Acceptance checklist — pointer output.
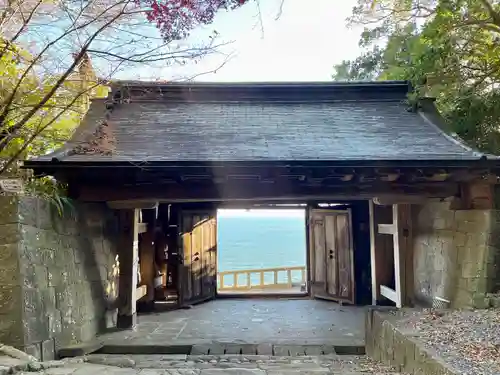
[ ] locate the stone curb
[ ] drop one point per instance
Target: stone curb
(390, 346)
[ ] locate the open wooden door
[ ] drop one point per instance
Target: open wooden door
(198, 251)
(331, 255)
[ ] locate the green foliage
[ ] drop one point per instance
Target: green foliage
(41, 128)
(52, 191)
(21, 91)
(452, 52)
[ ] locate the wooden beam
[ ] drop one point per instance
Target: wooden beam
(131, 204)
(390, 294)
(259, 191)
(389, 200)
(142, 228)
(140, 292)
(387, 229)
(128, 258)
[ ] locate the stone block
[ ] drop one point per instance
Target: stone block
(264, 349)
(377, 329)
(48, 217)
(41, 277)
(9, 254)
(35, 330)
(82, 313)
(78, 255)
(495, 301)
(11, 329)
(470, 270)
(48, 350)
(10, 234)
(439, 223)
(10, 299)
(54, 321)
(9, 266)
(480, 301)
(65, 258)
(49, 299)
(34, 349)
(32, 302)
(110, 318)
(68, 224)
(9, 206)
(18, 210)
(69, 334)
(389, 343)
(476, 284)
(463, 299)
(459, 239)
(411, 364)
(65, 297)
(492, 254)
(399, 351)
(369, 339)
(80, 349)
(420, 360)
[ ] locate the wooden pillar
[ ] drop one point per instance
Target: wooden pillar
(147, 263)
(381, 257)
(374, 264)
(403, 253)
(147, 256)
(128, 258)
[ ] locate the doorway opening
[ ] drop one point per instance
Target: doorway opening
(262, 251)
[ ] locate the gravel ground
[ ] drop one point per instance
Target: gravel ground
(469, 340)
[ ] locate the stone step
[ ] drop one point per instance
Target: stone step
(241, 364)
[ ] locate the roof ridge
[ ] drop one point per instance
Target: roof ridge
(261, 91)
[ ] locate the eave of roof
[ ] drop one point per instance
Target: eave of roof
(479, 162)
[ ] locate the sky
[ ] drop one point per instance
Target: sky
(302, 44)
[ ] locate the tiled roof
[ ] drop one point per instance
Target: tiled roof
(260, 122)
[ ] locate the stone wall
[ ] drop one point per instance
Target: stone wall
(455, 254)
(400, 347)
(58, 274)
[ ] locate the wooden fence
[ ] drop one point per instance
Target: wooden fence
(231, 280)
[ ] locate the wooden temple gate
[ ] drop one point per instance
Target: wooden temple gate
(151, 147)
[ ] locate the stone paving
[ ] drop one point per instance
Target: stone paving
(217, 365)
(252, 321)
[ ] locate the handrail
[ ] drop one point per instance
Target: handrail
(247, 285)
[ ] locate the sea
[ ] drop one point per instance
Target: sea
(256, 239)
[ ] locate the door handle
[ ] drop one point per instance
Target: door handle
(331, 252)
(331, 256)
(196, 259)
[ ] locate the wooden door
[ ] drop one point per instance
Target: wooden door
(198, 251)
(331, 254)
